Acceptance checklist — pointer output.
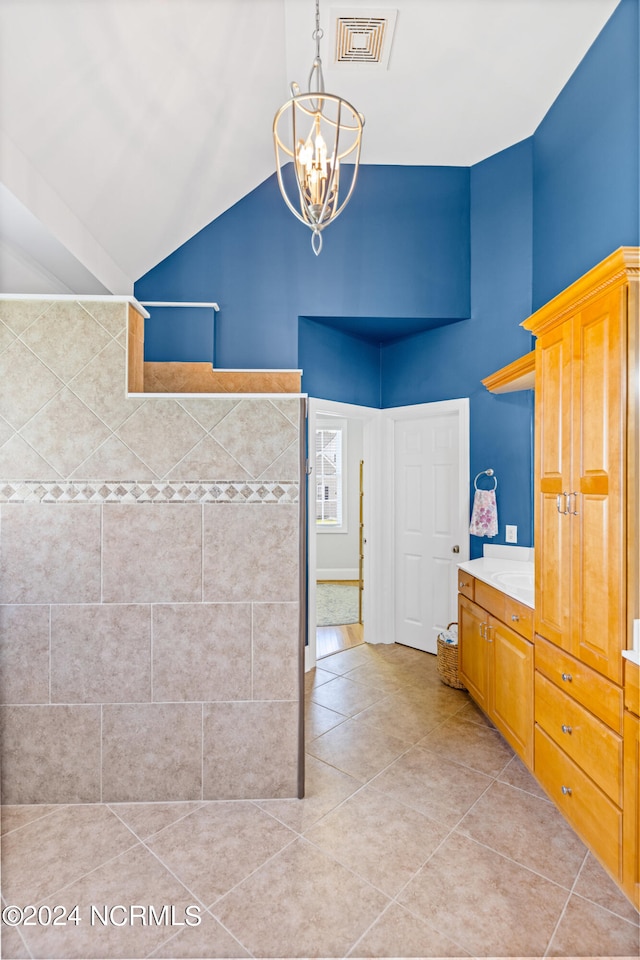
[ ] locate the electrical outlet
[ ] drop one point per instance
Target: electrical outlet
(511, 533)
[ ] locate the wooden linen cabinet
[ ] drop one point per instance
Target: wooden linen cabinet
(586, 539)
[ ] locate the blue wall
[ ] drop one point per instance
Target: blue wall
(586, 179)
(400, 250)
(477, 249)
(450, 362)
(339, 366)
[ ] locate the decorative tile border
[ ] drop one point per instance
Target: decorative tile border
(126, 491)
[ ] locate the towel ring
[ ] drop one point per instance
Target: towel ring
(488, 473)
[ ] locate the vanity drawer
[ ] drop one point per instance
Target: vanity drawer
(595, 817)
(595, 692)
(490, 599)
(588, 741)
(466, 584)
(519, 617)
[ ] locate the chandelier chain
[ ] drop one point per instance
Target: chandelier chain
(318, 33)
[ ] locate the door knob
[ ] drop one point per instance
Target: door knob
(455, 549)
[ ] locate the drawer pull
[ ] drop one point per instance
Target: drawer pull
(515, 617)
(462, 584)
(566, 728)
(567, 791)
(567, 677)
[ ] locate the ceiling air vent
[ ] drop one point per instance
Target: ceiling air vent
(362, 37)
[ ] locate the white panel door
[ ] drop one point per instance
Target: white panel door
(431, 535)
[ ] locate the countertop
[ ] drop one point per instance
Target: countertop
(513, 577)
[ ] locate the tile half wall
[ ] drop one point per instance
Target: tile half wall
(149, 575)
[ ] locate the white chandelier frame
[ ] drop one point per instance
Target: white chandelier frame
(317, 131)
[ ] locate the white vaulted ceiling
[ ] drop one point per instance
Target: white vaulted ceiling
(128, 125)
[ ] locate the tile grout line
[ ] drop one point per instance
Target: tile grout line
(566, 904)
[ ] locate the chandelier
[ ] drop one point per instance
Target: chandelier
(317, 131)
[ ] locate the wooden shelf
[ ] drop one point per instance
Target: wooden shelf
(519, 375)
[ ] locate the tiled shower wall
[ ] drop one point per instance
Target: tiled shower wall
(149, 575)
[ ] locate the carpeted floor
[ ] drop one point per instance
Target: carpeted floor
(336, 603)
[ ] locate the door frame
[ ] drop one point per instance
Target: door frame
(379, 508)
(371, 452)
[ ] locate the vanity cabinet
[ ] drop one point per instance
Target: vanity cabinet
(631, 804)
(579, 749)
(496, 660)
(586, 557)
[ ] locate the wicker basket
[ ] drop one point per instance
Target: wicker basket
(448, 662)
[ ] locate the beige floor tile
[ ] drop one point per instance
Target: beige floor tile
(146, 819)
(595, 884)
(472, 744)
(315, 678)
(49, 853)
(300, 904)
(383, 841)
(12, 817)
(379, 675)
(399, 934)
(134, 878)
(208, 941)
(409, 718)
(471, 711)
(325, 788)
(358, 749)
(587, 930)
(517, 775)
(528, 830)
(219, 845)
(318, 719)
(488, 904)
(433, 785)
(346, 660)
(345, 696)
(12, 945)
(439, 697)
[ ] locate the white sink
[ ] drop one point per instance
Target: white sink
(508, 578)
(516, 584)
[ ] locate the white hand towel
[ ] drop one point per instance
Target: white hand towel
(484, 516)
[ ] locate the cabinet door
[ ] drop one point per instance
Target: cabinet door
(597, 520)
(472, 648)
(511, 692)
(631, 809)
(553, 483)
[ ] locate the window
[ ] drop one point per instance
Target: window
(329, 476)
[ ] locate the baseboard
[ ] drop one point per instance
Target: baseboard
(337, 573)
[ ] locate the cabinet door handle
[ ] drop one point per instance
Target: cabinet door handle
(566, 497)
(567, 677)
(488, 633)
(566, 728)
(573, 512)
(567, 791)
